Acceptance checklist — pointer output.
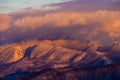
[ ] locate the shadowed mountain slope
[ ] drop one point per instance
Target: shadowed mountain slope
(109, 72)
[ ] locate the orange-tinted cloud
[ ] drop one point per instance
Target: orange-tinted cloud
(92, 26)
(4, 22)
(106, 21)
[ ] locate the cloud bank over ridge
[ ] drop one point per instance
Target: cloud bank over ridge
(98, 25)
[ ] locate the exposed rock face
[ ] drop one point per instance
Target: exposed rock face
(11, 54)
(18, 54)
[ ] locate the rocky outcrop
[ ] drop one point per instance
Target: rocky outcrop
(11, 53)
(18, 54)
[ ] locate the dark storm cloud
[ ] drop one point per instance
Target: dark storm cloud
(88, 5)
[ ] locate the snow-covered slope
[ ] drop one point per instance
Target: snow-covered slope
(33, 55)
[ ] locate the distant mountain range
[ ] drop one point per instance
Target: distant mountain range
(59, 60)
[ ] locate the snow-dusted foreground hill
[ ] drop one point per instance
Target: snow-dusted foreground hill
(108, 72)
(37, 55)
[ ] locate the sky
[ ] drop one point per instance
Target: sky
(7, 6)
(15, 5)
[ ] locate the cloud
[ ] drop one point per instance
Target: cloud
(59, 19)
(88, 5)
(93, 26)
(115, 0)
(4, 22)
(107, 21)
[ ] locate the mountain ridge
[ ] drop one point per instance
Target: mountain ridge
(42, 54)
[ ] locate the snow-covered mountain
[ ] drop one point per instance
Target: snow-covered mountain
(36, 55)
